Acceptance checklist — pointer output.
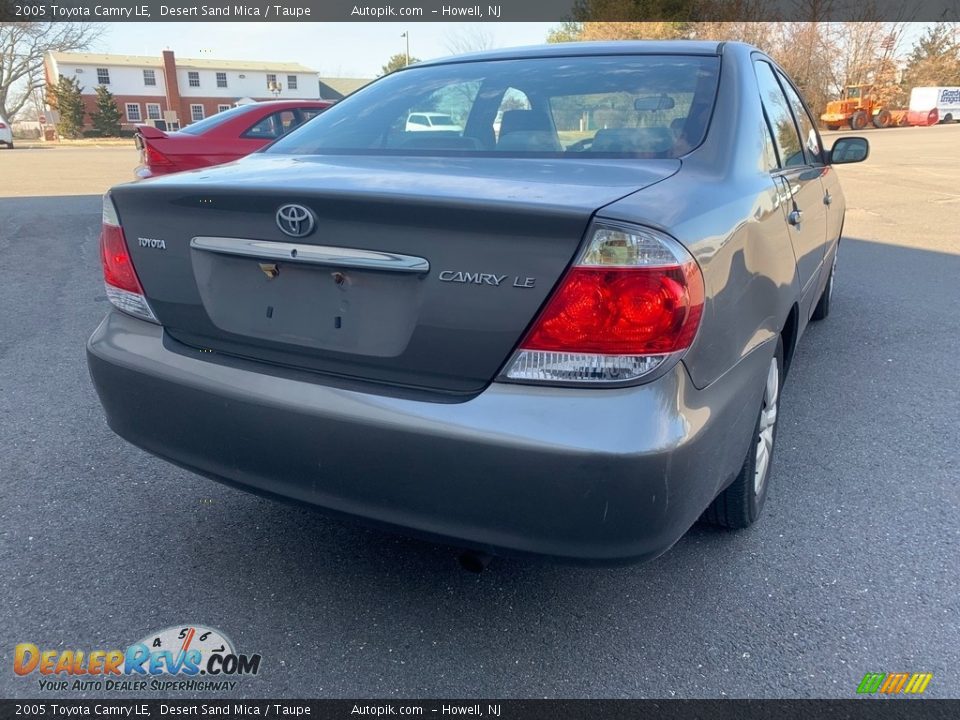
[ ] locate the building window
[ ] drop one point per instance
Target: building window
(150, 78)
(292, 82)
(221, 108)
(196, 112)
(193, 79)
(271, 80)
(221, 79)
(153, 111)
(133, 113)
(103, 76)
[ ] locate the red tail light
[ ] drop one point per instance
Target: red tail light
(632, 301)
(3, 126)
(120, 277)
(154, 158)
(117, 267)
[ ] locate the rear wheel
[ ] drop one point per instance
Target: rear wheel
(858, 121)
(948, 118)
(823, 307)
(882, 119)
(740, 505)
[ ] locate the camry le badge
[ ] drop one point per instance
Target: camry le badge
(295, 220)
(474, 278)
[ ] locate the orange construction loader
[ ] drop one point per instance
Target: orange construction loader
(857, 107)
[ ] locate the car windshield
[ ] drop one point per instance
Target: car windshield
(201, 126)
(655, 106)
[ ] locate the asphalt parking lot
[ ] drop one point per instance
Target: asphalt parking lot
(852, 569)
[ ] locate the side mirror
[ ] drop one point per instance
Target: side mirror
(849, 150)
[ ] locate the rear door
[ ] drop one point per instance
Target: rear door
(815, 154)
(800, 170)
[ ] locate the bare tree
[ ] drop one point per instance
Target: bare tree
(472, 37)
(23, 46)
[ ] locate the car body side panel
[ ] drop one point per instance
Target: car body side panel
(725, 207)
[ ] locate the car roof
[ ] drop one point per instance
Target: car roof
(586, 49)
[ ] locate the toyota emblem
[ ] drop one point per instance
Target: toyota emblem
(295, 220)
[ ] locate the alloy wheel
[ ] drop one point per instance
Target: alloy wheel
(768, 423)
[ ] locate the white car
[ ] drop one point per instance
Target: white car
(6, 133)
(431, 122)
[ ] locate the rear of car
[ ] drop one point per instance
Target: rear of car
(474, 335)
(6, 133)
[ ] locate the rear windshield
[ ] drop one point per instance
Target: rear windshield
(201, 126)
(654, 106)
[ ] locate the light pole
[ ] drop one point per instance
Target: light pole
(407, 36)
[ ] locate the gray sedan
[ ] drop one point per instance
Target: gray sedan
(561, 327)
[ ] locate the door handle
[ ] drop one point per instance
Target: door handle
(795, 217)
(828, 198)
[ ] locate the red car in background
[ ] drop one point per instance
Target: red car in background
(221, 138)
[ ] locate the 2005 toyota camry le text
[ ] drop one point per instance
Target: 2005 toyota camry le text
(558, 325)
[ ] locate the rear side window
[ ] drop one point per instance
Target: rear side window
(273, 125)
(309, 113)
(655, 106)
(808, 131)
(785, 136)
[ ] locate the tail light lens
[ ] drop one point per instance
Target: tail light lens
(153, 157)
(626, 310)
(119, 276)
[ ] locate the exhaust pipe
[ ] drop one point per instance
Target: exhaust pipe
(475, 562)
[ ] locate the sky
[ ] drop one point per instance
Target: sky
(332, 49)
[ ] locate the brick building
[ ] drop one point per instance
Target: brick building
(145, 88)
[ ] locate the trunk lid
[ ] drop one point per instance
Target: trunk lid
(420, 272)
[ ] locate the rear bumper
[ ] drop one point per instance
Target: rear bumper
(586, 475)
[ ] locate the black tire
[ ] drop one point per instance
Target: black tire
(833, 127)
(859, 120)
(822, 310)
(882, 119)
(740, 505)
(948, 118)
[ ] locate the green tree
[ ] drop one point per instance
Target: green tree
(568, 31)
(106, 118)
(935, 59)
(65, 98)
(396, 62)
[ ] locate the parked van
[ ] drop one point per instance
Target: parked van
(930, 105)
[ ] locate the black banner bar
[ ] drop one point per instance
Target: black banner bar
(478, 11)
(855, 709)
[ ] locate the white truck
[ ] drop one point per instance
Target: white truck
(932, 105)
